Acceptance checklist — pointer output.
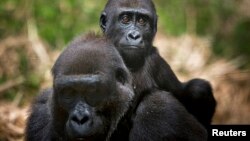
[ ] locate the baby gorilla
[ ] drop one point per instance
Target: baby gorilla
(91, 92)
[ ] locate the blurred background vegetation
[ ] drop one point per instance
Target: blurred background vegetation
(226, 22)
(33, 33)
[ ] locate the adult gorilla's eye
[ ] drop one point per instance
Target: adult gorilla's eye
(68, 94)
(125, 19)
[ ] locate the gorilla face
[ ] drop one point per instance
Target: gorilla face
(83, 98)
(92, 90)
(131, 26)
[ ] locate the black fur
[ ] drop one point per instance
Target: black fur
(121, 23)
(91, 93)
(160, 117)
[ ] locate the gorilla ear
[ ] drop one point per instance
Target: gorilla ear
(155, 24)
(103, 21)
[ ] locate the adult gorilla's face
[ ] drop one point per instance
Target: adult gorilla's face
(92, 90)
(81, 97)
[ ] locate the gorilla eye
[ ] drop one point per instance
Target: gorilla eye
(125, 19)
(142, 21)
(68, 94)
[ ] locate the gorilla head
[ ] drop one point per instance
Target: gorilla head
(91, 86)
(131, 25)
(91, 92)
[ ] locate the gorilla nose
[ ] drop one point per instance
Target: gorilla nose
(79, 124)
(134, 35)
(80, 117)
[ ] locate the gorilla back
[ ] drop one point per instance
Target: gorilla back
(91, 92)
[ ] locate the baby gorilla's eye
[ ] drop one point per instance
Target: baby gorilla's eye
(142, 21)
(125, 19)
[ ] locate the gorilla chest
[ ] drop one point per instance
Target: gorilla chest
(143, 81)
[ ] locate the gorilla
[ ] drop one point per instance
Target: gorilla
(131, 25)
(92, 95)
(161, 117)
(91, 91)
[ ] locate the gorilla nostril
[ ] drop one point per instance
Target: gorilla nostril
(85, 119)
(80, 119)
(134, 35)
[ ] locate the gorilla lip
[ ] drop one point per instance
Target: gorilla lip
(132, 47)
(78, 131)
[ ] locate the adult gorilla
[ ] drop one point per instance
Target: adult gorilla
(91, 92)
(132, 25)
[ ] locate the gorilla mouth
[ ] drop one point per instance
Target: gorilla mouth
(132, 47)
(78, 132)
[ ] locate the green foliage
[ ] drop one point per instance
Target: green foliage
(10, 19)
(241, 36)
(10, 94)
(219, 19)
(196, 16)
(32, 81)
(171, 16)
(58, 21)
